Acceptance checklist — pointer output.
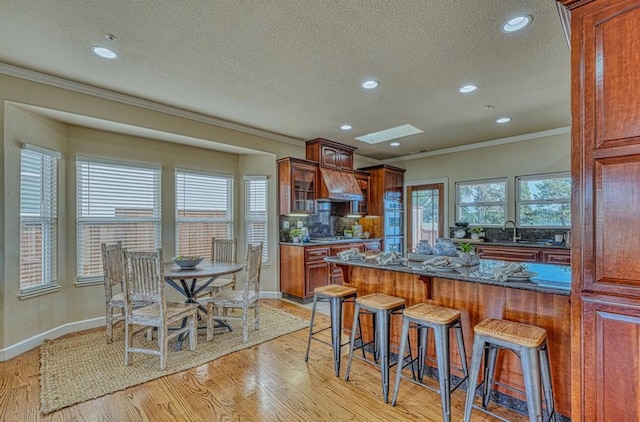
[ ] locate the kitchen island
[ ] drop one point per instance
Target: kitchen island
(543, 301)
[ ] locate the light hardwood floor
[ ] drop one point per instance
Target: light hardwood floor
(268, 382)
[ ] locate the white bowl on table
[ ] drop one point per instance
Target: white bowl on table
(187, 263)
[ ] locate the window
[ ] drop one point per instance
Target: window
(255, 215)
(482, 202)
(544, 200)
(38, 217)
(116, 202)
(204, 209)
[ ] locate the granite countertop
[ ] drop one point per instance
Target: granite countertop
(554, 279)
(523, 244)
(316, 242)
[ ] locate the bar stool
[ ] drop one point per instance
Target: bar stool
(530, 344)
(427, 316)
(335, 294)
(382, 306)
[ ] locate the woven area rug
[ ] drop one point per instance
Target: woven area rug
(85, 367)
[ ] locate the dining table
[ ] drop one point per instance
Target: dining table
(185, 281)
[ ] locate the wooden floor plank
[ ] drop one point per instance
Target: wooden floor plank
(267, 382)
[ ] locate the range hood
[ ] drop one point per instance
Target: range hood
(338, 185)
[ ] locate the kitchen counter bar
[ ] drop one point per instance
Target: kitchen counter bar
(543, 302)
(553, 279)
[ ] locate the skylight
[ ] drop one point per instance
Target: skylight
(389, 134)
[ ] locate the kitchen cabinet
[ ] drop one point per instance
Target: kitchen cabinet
(525, 254)
(330, 154)
(605, 168)
(303, 268)
(297, 180)
(508, 253)
(556, 256)
(386, 206)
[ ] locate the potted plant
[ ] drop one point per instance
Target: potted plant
(465, 254)
(295, 234)
(475, 232)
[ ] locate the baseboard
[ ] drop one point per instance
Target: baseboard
(35, 341)
(270, 295)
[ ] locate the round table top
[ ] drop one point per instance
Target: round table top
(204, 269)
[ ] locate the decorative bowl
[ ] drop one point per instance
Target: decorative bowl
(461, 224)
(187, 262)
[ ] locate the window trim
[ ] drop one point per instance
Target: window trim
(97, 279)
(230, 222)
(265, 245)
(543, 176)
(504, 203)
(50, 266)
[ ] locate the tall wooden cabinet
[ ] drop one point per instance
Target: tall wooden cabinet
(387, 205)
(605, 169)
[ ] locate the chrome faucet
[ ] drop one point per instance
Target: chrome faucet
(515, 237)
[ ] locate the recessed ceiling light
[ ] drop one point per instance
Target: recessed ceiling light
(104, 52)
(468, 88)
(345, 127)
(503, 120)
(370, 84)
(395, 144)
(517, 23)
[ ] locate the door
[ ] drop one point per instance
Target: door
(425, 219)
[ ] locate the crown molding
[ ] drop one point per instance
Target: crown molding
(484, 144)
(55, 81)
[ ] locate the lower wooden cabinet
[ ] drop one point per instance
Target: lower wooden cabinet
(525, 254)
(303, 268)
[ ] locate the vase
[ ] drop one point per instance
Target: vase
(475, 236)
(444, 247)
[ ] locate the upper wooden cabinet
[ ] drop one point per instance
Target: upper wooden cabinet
(385, 183)
(297, 184)
(605, 169)
(330, 154)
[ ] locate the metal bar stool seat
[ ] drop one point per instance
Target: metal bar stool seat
(529, 342)
(336, 295)
(382, 306)
(440, 319)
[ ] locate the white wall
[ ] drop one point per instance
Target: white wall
(535, 156)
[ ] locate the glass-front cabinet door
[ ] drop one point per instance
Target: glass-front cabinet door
(297, 186)
(304, 190)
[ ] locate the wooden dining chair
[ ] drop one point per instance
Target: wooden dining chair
(112, 267)
(222, 250)
(243, 300)
(144, 282)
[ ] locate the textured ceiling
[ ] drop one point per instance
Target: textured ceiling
(294, 67)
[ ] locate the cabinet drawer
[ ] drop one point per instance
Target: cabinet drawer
(556, 257)
(509, 254)
(316, 254)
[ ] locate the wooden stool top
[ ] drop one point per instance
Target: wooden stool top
(335, 290)
(512, 332)
(380, 301)
(432, 313)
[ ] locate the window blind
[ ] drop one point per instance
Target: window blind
(38, 217)
(204, 209)
(116, 202)
(256, 215)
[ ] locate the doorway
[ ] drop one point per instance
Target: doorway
(425, 219)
